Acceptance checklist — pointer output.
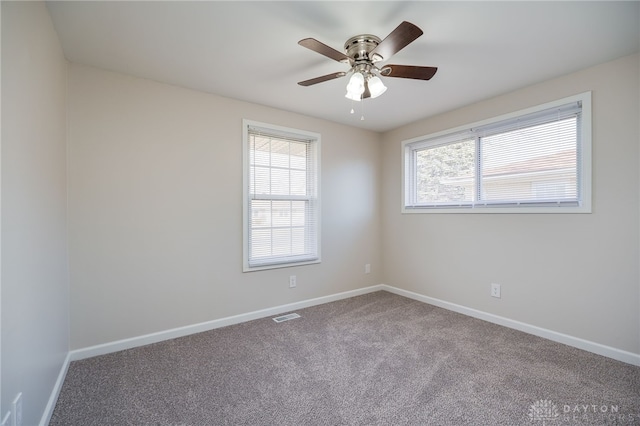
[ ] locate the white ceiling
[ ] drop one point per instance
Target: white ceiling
(249, 51)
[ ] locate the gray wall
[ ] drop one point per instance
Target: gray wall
(571, 273)
(35, 292)
(155, 209)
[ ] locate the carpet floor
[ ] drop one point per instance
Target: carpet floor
(376, 359)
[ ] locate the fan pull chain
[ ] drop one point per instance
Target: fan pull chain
(362, 102)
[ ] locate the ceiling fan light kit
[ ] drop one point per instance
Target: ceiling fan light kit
(362, 52)
(355, 88)
(376, 86)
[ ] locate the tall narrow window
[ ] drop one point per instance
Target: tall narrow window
(537, 160)
(281, 202)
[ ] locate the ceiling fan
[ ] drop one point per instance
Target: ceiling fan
(362, 53)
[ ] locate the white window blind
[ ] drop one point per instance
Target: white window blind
(535, 158)
(281, 200)
(518, 164)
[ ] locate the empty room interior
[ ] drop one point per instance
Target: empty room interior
(445, 194)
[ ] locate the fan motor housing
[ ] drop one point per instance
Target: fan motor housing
(359, 47)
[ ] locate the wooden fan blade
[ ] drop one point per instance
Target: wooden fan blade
(322, 79)
(323, 49)
(404, 34)
(408, 71)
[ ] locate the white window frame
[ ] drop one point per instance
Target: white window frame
(314, 196)
(584, 164)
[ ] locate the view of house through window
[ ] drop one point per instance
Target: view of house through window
(535, 159)
(281, 196)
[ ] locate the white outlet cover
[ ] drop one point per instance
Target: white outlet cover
(495, 290)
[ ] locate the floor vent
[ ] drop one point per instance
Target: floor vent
(287, 317)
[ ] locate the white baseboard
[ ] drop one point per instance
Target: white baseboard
(160, 336)
(119, 345)
(596, 348)
(57, 387)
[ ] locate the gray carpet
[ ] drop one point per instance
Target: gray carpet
(377, 359)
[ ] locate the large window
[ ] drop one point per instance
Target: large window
(281, 203)
(537, 160)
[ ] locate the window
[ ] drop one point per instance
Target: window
(281, 211)
(536, 160)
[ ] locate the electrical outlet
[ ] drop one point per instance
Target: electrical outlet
(367, 268)
(17, 410)
(292, 281)
(495, 290)
(7, 419)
